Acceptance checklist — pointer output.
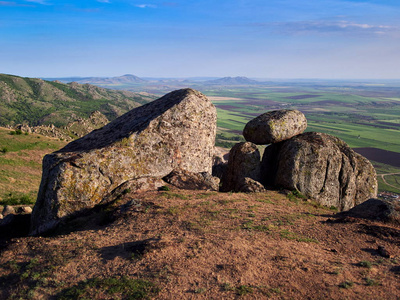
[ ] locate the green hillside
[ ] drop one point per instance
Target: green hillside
(34, 101)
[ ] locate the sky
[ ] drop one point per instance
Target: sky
(327, 39)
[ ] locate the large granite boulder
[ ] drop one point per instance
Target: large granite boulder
(244, 161)
(176, 131)
(275, 126)
(321, 167)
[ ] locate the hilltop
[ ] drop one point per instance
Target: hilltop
(146, 238)
(34, 101)
(206, 245)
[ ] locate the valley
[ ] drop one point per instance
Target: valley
(365, 116)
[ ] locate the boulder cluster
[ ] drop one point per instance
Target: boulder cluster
(172, 141)
(319, 166)
(78, 128)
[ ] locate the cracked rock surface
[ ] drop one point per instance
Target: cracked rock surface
(322, 167)
(176, 131)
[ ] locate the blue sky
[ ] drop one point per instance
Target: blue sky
(182, 38)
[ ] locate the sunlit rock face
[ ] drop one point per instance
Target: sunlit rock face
(275, 126)
(322, 167)
(176, 131)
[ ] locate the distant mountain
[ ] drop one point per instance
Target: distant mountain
(124, 79)
(240, 80)
(34, 101)
(119, 80)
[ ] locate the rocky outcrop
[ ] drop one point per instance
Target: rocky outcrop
(244, 161)
(192, 181)
(321, 167)
(176, 131)
(78, 128)
(387, 211)
(275, 126)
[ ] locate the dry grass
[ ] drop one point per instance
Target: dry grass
(21, 164)
(202, 245)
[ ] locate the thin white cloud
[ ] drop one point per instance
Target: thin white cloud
(11, 3)
(37, 1)
(104, 1)
(329, 27)
(146, 5)
(7, 3)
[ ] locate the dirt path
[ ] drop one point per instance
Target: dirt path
(384, 180)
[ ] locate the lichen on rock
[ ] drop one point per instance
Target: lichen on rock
(321, 167)
(176, 131)
(275, 126)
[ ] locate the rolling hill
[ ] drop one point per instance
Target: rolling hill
(34, 101)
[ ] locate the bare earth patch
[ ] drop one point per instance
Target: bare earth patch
(206, 245)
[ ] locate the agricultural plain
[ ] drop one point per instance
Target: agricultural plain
(365, 117)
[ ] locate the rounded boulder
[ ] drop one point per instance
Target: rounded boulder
(275, 126)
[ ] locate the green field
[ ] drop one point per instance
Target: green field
(21, 165)
(361, 116)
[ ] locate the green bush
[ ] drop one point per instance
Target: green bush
(16, 198)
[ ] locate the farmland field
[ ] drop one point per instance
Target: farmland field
(363, 116)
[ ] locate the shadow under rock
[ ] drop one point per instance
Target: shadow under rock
(13, 226)
(385, 233)
(130, 250)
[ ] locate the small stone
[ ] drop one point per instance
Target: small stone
(383, 252)
(192, 181)
(24, 210)
(8, 210)
(251, 186)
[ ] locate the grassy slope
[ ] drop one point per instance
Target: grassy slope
(21, 165)
(35, 101)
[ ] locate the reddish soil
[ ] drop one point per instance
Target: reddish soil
(381, 156)
(205, 245)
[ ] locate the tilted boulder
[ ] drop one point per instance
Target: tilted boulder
(176, 131)
(249, 185)
(192, 181)
(387, 211)
(244, 161)
(275, 126)
(321, 167)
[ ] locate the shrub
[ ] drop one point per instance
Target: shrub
(346, 284)
(17, 198)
